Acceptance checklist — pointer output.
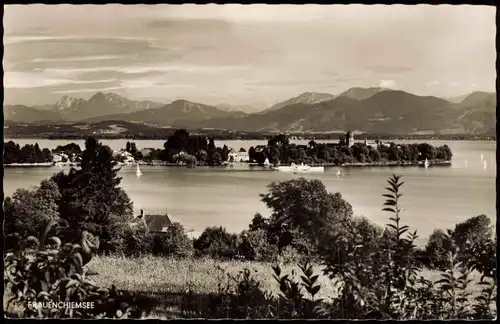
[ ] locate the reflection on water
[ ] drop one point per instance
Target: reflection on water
(201, 197)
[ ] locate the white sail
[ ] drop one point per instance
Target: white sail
(138, 171)
(338, 173)
(485, 164)
(426, 163)
(266, 162)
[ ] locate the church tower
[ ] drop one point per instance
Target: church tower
(349, 138)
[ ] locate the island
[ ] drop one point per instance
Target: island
(192, 150)
(348, 152)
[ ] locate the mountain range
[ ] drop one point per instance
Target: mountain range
(374, 110)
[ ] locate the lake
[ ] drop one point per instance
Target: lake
(437, 197)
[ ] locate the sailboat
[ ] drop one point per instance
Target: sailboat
(485, 164)
(138, 171)
(426, 163)
(338, 173)
(266, 163)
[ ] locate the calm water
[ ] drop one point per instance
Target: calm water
(437, 197)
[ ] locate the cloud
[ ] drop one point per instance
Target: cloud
(387, 83)
(38, 38)
(455, 84)
(24, 80)
(185, 68)
(385, 69)
(148, 83)
(190, 24)
(78, 58)
(431, 84)
(86, 90)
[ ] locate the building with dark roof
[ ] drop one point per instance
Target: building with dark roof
(155, 223)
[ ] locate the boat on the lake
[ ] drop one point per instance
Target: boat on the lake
(485, 164)
(338, 173)
(266, 163)
(138, 171)
(302, 168)
(426, 163)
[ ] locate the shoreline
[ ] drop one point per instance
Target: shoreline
(249, 165)
(472, 139)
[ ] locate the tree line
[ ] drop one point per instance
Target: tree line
(280, 150)
(191, 149)
(29, 153)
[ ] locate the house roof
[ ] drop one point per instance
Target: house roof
(156, 223)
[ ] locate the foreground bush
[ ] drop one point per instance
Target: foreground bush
(174, 242)
(37, 273)
(254, 246)
(217, 243)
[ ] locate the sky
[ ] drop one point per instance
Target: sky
(244, 54)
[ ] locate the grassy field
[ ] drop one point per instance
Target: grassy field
(168, 279)
(165, 281)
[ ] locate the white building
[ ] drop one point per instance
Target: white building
(57, 158)
(234, 156)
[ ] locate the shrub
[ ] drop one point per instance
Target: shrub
(217, 243)
(472, 235)
(50, 273)
(436, 250)
(137, 241)
(259, 222)
(29, 211)
(174, 242)
(254, 246)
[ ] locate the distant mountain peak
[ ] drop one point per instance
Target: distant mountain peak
(479, 98)
(98, 95)
(181, 101)
(359, 93)
(309, 98)
(67, 103)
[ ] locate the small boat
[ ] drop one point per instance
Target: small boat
(138, 171)
(485, 164)
(266, 163)
(338, 173)
(426, 163)
(283, 168)
(302, 168)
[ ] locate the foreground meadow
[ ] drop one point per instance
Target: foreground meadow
(168, 280)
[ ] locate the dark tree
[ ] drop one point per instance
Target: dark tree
(217, 242)
(303, 208)
(91, 196)
(216, 159)
(224, 153)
